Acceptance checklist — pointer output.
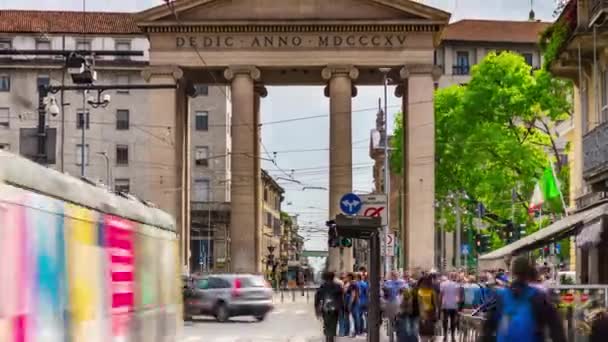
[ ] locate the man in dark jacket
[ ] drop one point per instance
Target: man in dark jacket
(544, 314)
(329, 302)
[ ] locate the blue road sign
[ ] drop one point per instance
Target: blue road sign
(350, 204)
(465, 249)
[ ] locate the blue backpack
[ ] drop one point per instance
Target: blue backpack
(517, 316)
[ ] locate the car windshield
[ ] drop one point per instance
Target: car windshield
(253, 282)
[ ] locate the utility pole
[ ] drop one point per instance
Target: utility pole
(458, 231)
(387, 175)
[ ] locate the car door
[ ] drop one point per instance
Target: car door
(201, 299)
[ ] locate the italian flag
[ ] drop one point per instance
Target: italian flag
(546, 193)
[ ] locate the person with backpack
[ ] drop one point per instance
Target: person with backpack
(328, 305)
(522, 313)
(407, 319)
(450, 300)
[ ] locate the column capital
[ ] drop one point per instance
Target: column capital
(249, 70)
(343, 70)
(163, 71)
(260, 90)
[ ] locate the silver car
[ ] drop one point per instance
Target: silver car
(228, 295)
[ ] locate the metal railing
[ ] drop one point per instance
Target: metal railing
(294, 295)
(577, 305)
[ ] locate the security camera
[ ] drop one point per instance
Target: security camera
(51, 106)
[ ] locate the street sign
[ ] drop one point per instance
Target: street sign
(375, 206)
(350, 204)
(390, 245)
(465, 249)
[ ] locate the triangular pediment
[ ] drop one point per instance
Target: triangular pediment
(198, 11)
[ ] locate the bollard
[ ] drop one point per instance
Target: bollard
(282, 296)
(308, 296)
(293, 295)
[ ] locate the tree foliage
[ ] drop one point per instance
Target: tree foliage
(495, 135)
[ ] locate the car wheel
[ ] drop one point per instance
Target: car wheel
(221, 313)
(260, 318)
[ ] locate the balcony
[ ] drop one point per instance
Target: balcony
(460, 69)
(595, 154)
(597, 11)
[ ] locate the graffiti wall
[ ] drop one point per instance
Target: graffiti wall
(68, 273)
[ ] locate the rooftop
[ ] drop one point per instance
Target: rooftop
(24, 21)
(473, 30)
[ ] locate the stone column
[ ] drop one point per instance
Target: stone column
(340, 90)
(259, 92)
(167, 187)
(244, 174)
(418, 147)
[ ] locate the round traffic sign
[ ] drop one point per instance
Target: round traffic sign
(350, 204)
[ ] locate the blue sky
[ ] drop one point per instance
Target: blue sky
(292, 102)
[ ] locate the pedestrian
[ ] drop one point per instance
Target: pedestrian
(450, 299)
(353, 305)
(407, 319)
(392, 295)
(363, 301)
(344, 322)
(428, 306)
(328, 304)
(522, 313)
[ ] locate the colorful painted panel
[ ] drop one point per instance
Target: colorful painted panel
(119, 244)
(86, 275)
(47, 251)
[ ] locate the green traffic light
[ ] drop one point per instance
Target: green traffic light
(346, 242)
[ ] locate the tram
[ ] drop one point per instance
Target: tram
(79, 263)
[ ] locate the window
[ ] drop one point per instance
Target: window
(529, 58)
(122, 119)
(5, 117)
(122, 46)
(5, 83)
(43, 44)
(123, 80)
(42, 80)
(122, 155)
(268, 219)
(201, 89)
(201, 190)
(462, 63)
(201, 156)
(5, 147)
(79, 154)
(276, 227)
(201, 121)
(6, 44)
(122, 185)
(83, 45)
(265, 195)
(80, 119)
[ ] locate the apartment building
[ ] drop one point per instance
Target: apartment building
(117, 134)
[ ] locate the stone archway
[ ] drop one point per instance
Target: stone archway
(251, 43)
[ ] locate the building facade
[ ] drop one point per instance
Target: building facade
(581, 56)
(119, 135)
(272, 227)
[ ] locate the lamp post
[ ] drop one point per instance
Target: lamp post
(95, 103)
(387, 173)
(108, 171)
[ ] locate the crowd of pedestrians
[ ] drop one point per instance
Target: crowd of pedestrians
(420, 306)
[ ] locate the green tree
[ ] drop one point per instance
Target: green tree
(495, 135)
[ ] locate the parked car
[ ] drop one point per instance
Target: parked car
(227, 295)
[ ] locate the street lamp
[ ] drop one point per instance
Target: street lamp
(108, 172)
(385, 80)
(102, 102)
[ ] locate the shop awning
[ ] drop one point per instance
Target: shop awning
(558, 230)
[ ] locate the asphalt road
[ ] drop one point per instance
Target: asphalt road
(289, 322)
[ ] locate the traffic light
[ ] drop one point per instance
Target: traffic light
(332, 234)
(485, 241)
(346, 242)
